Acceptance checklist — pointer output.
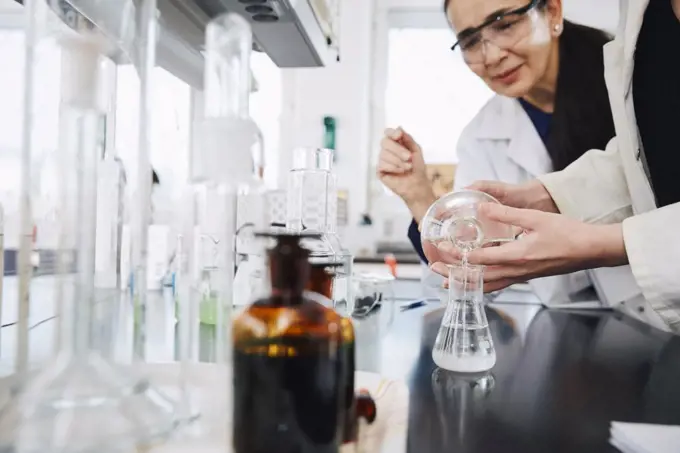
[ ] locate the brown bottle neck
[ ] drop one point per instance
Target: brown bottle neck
(288, 274)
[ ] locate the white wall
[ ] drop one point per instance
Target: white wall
(346, 90)
(9, 6)
(341, 90)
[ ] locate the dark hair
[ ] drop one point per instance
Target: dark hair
(582, 117)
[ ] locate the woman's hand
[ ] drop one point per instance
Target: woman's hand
(401, 168)
(530, 195)
(552, 244)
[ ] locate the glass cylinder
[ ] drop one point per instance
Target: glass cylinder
(464, 342)
(222, 163)
(80, 401)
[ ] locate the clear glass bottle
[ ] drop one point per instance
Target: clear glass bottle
(464, 342)
(250, 280)
(222, 169)
(287, 348)
(80, 401)
(312, 203)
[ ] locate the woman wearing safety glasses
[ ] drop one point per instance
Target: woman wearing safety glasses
(620, 206)
(551, 107)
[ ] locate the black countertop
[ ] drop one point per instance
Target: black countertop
(559, 380)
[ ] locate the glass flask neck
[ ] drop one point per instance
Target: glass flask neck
(313, 159)
(466, 283)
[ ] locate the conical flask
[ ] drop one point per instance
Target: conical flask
(464, 342)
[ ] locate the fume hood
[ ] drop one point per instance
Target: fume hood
(294, 33)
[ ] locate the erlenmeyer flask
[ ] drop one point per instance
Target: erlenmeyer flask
(464, 341)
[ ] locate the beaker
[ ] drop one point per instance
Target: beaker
(464, 342)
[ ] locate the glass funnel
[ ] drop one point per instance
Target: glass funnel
(455, 219)
(464, 342)
(312, 204)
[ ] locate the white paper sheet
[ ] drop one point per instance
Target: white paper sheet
(641, 438)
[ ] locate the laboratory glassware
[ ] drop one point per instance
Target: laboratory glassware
(455, 219)
(288, 347)
(221, 167)
(359, 408)
(250, 281)
(312, 202)
(464, 342)
(2, 262)
(79, 402)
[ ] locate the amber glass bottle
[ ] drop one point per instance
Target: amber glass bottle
(354, 406)
(289, 375)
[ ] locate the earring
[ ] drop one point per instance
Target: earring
(557, 28)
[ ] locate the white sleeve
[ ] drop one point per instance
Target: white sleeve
(474, 163)
(653, 247)
(593, 188)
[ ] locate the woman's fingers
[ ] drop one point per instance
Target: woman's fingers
(498, 190)
(390, 169)
(490, 287)
(497, 285)
(392, 146)
(505, 254)
(389, 159)
(440, 268)
(524, 218)
(499, 273)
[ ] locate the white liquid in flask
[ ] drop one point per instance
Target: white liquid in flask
(464, 342)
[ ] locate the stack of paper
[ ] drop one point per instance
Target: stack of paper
(640, 438)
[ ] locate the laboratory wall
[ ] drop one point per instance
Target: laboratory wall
(354, 92)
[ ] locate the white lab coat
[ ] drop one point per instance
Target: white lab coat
(501, 143)
(612, 186)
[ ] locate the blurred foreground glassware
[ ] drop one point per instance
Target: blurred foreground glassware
(374, 297)
(223, 172)
(80, 402)
(312, 201)
(464, 342)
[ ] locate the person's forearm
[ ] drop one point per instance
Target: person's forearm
(540, 198)
(420, 203)
(605, 246)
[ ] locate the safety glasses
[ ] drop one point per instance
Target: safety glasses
(503, 30)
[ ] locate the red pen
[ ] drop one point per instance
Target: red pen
(391, 262)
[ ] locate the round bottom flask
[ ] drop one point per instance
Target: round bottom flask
(454, 221)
